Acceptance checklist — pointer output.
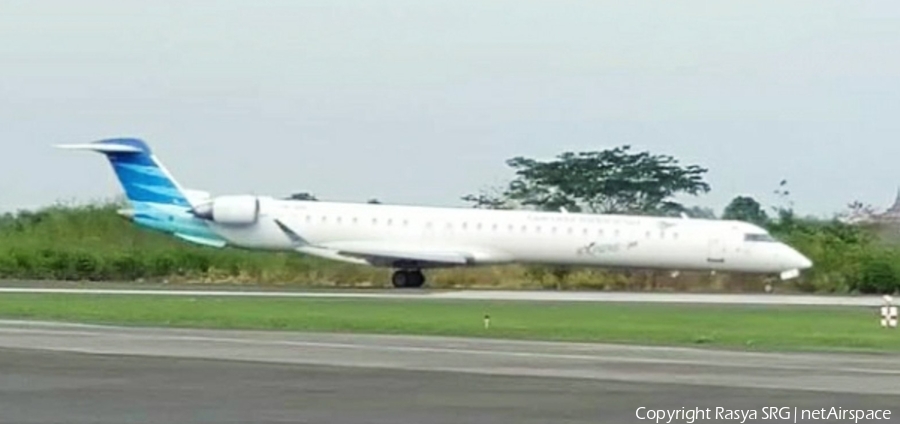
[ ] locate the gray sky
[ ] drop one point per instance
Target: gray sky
(421, 102)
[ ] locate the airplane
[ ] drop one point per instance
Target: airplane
(410, 239)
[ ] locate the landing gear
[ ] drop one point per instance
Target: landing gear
(408, 278)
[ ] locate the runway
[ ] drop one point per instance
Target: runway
(82, 373)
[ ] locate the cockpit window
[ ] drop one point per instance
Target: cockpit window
(759, 238)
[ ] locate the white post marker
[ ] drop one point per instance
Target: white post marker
(487, 321)
(889, 313)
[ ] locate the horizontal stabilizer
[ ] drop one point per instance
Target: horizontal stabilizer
(101, 147)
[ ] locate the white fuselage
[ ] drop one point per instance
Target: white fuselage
(502, 236)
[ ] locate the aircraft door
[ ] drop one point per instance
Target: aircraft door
(428, 231)
(715, 250)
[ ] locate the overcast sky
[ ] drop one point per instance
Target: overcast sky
(421, 102)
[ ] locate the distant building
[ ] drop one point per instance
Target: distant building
(860, 214)
(892, 215)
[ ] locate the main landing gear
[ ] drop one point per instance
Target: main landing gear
(408, 278)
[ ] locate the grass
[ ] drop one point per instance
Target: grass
(743, 327)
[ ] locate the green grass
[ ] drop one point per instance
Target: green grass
(744, 327)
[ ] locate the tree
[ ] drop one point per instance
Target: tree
(747, 209)
(493, 198)
(303, 196)
(609, 181)
(786, 221)
(700, 212)
(373, 202)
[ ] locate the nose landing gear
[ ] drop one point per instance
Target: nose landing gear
(405, 278)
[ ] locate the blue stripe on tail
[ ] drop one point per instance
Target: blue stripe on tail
(141, 176)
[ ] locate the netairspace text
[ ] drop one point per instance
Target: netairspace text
(770, 413)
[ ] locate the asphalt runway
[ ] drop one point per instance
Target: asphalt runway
(83, 373)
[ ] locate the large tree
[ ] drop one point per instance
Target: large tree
(610, 181)
(747, 209)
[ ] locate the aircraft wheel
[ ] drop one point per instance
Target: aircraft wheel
(408, 279)
(417, 279)
(401, 279)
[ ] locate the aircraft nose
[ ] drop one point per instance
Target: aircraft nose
(799, 261)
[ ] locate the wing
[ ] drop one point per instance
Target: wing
(386, 254)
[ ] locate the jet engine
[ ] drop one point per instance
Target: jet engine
(230, 210)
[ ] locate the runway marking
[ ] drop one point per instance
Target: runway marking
(539, 296)
(439, 350)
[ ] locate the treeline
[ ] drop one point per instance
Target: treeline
(93, 243)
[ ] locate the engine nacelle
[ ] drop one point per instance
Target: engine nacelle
(230, 210)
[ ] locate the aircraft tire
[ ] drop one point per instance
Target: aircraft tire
(417, 279)
(407, 279)
(400, 279)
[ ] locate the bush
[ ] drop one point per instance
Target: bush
(879, 275)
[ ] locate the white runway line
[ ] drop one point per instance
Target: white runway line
(531, 296)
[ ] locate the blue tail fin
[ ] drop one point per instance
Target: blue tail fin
(142, 176)
(158, 200)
